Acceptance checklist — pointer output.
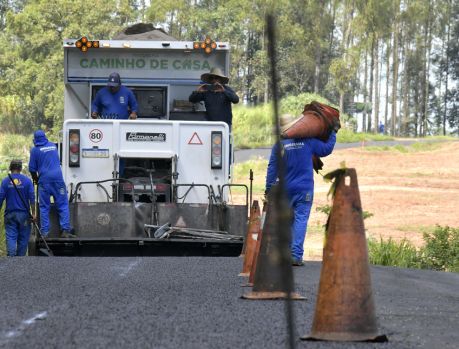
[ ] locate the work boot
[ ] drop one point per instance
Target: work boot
(297, 262)
(65, 234)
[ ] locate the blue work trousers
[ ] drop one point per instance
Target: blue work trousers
(58, 191)
(17, 231)
(301, 204)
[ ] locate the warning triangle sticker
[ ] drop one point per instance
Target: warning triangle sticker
(195, 139)
(180, 223)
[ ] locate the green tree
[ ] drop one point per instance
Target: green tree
(31, 67)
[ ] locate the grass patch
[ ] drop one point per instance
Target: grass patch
(412, 148)
(440, 252)
(441, 138)
(389, 252)
(252, 126)
(418, 228)
(348, 136)
(241, 175)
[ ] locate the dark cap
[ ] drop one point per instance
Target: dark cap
(16, 165)
(114, 80)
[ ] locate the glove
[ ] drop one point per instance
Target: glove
(317, 164)
(336, 124)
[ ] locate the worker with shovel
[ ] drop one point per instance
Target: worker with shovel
(17, 191)
(44, 166)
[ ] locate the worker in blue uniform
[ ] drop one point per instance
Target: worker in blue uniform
(45, 169)
(17, 209)
(114, 101)
(217, 96)
(299, 180)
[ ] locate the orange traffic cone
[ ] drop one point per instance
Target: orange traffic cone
(257, 249)
(251, 238)
(273, 267)
(311, 124)
(345, 309)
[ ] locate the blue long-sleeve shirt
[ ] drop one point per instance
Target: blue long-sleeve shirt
(297, 155)
(44, 159)
(218, 104)
(8, 192)
(114, 105)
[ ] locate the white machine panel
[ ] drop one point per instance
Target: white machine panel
(103, 141)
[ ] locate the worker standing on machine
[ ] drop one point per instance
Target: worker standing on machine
(17, 190)
(114, 101)
(45, 168)
(217, 96)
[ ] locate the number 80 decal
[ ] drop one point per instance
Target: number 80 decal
(95, 135)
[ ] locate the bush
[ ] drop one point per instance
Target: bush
(441, 251)
(252, 126)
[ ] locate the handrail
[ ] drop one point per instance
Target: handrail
(238, 185)
(79, 184)
(191, 187)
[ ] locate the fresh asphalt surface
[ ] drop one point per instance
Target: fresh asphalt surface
(194, 302)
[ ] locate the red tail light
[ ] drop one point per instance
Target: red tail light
(127, 186)
(216, 159)
(74, 148)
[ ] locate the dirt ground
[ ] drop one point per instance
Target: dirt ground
(407, 193)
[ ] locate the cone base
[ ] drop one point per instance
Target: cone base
(346, 337)
(271, 295)
(243, 274)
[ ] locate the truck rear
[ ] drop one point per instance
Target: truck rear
(155, 186)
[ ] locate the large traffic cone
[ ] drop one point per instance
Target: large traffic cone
(311, 124)
(257, 248)
(345, 309)
(251, 238)
(323, 109)
(274, 275)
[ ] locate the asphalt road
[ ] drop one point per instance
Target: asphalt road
(242, 155)
(194, 302)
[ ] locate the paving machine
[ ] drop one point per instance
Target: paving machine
(155, 186)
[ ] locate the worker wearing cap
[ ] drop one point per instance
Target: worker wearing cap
(114, 101)
(299, 179)
(17, 210)
(217, 96)
(45, 168)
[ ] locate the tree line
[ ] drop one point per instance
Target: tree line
(389, 61)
